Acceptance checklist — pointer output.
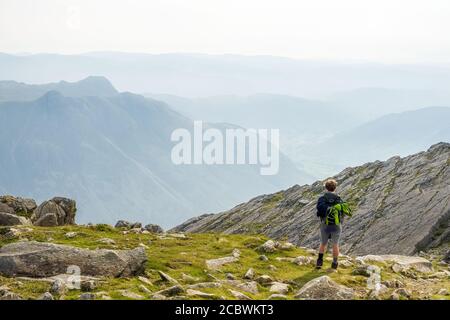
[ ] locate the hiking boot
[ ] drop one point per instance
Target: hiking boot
(334, 265)
(319, 263)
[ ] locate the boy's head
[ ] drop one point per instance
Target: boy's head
(330, 185)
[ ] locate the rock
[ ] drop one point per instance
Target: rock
(263, 258)
(277, 296)
(402, 292)
(447, 257)
(269, 246)
(264, 280)
(177, 235)
(87, 296)
(131, 295)
(188, 279)
(443, 292)
(236, 253)
(40, 259)
(286, 246)
(123, 224)
(58, 287)
(345, 263)
(279, 287)
(302, 260)
(202, 285)
(167, 278)
(366, 270)
(393, 283)
(394, 296)
(9, 219)
(144, 289)
(153, 228)
(107, 241)
(46, 296)
(239, 295)
(55, 212)
(158, 296)
(250, 274)
(145, 280)
(71, 235)
(136, 225)
(323, 288)
(272, 267)
(171, 291)
(12, 233)
(88, 285)
(230, 276)
(199, 294)
(17, 205)
(250, 287)
(285, 259)
(214, 264)
(5, 294)
(400, 262)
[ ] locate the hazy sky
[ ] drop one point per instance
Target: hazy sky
(379, 30)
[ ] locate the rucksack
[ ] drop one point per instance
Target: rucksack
(335, 213)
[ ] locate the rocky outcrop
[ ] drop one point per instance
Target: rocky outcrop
(400, 206)
(38, 259)
(55, 212)
(323, 288)
(15, 210)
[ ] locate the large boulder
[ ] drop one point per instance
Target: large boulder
(40, 259)
(15, 211)
(9, 219)
(153, 228)
(400, 262)
(55, 212)
(323, 288)
(17, 205)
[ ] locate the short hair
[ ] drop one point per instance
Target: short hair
(330, 185)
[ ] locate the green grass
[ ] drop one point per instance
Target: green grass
(177, 256)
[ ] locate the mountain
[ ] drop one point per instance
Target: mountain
(90, 86)
(393, 134)
(400, 206)
(113, 155)
(194, 75)
(302, 122)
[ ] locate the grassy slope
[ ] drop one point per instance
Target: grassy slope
(177, 256)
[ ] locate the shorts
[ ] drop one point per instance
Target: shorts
(332, 233)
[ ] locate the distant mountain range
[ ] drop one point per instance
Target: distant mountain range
(400, 206)
(113, 152)
(199, 75)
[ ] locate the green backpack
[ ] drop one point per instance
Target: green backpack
(335, 212)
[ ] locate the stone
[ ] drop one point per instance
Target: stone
(402, 292)
(447, 257)
(153, 228)
(202, 285)
(6, 294)
(144, 289)
(199, 294)
(215, 264)
(131, 295)
(230, 276)
(58, 287)
(88, 285)
(167, 278)
(323, 288)
(250, 287)
(46, 296)
(239, 295)
(302, 260)
(145, 280)
(17, 205)
(9, 219)
(279, 287)
(285, 259)
(250, 274)
(188, 278)
(107, 241)
(236, 253)
(71, 235)
(171, 291)
(263, 258)
(443, 292)
(55, 212)
(264, 280)
(123, 224)
(286, 246)
(87, 296)
(40, 259)
(136, 225)
(366, 270)
(401, 262)
(269, 246)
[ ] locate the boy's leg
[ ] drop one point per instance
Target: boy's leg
(335, 241)
(322, 248)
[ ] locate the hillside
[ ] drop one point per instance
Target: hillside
(400, 206)
(180, 266)
(113, 155)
